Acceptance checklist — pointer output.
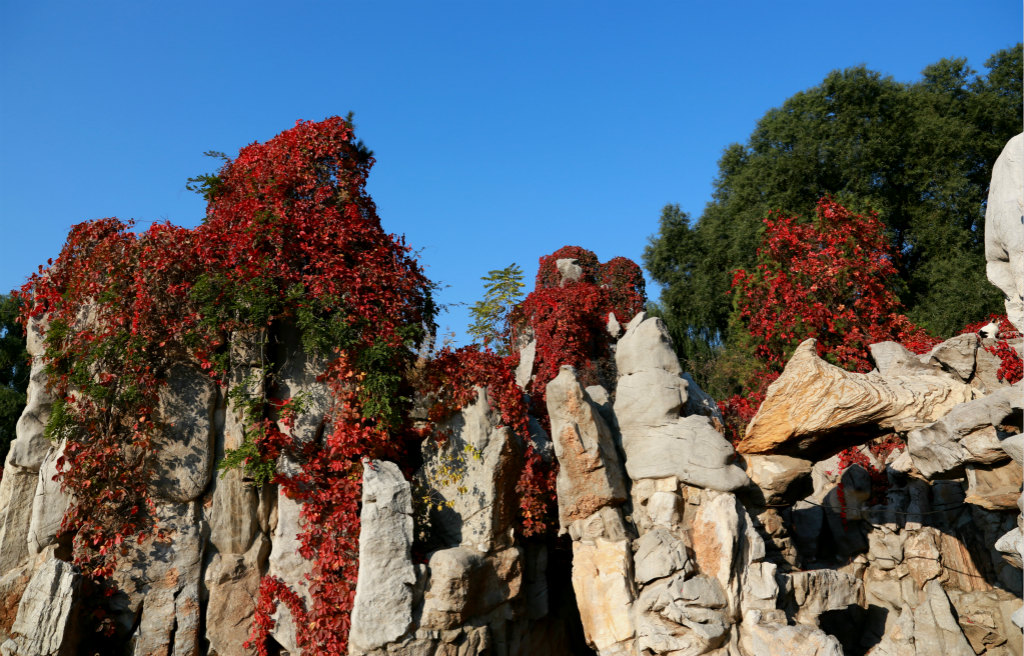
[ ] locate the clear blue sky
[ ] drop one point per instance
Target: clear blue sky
(502, 130)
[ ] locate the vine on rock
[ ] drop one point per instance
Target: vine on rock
(569, 317)
(290, 238)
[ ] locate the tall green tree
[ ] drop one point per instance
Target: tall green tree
(502, 290)
(919, 154)
(14, 371)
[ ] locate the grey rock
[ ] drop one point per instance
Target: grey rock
(1012, 544)
(161, 580)
(894, 359)
(233, 517)
(589, 476)
(1004, 239)
(49, 504)
(30, 446)
(569, 270)
(781, 478)
(648, 398)
(925, 628)
(699, 402)
(1014, 447)
(759, 637)
(956, 355)
(818, 591)
(659, 554)
(471, 478)
(466, 584)
(232, 583)
(613, 327)
(382, 611)
(689, 449)
(183, 449)
(646, 345)
(937, 449)
(297, 379)
(286, 563)
(524, 370)
(17, 490)
(44, 625)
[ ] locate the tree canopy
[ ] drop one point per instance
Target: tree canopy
(13, 371)
(920, 155)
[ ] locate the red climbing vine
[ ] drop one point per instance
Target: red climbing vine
(290, 238)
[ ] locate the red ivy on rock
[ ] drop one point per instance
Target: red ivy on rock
(569, 319)
(290, 237)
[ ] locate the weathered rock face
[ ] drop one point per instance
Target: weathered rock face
(384, 595)
(1004, 239)
(471, 478)
(46, 616)
(657, 439)
(813, 400)
(676, 545)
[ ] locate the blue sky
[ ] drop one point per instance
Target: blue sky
(502, 130)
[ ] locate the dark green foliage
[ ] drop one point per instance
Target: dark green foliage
(14, 371)
(919, 154)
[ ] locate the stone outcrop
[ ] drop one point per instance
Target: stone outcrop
(677, 544)
(813, 400)
(657, 439)
(1004, 238)
(384, 595)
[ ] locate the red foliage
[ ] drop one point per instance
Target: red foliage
(830, 279)
(453, 378)
(1010, 370)
(290, 234)
(570, 321)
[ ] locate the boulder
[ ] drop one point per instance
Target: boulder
(465, 584)
(589, 475)
(45, 624)
(382, 611)
(956, 355)
(689, 449)
(1004, 239)
(942, 447)
(603, 580)
(470, 477)
(183, 449)
(994, 487)
(813, 400)
(782, 479)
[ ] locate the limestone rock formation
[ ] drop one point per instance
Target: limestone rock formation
(384, 595)
(1004, 236)
(813, 400)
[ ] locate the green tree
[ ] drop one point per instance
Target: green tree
(502, 290)
(920, 155)
(14, 371)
